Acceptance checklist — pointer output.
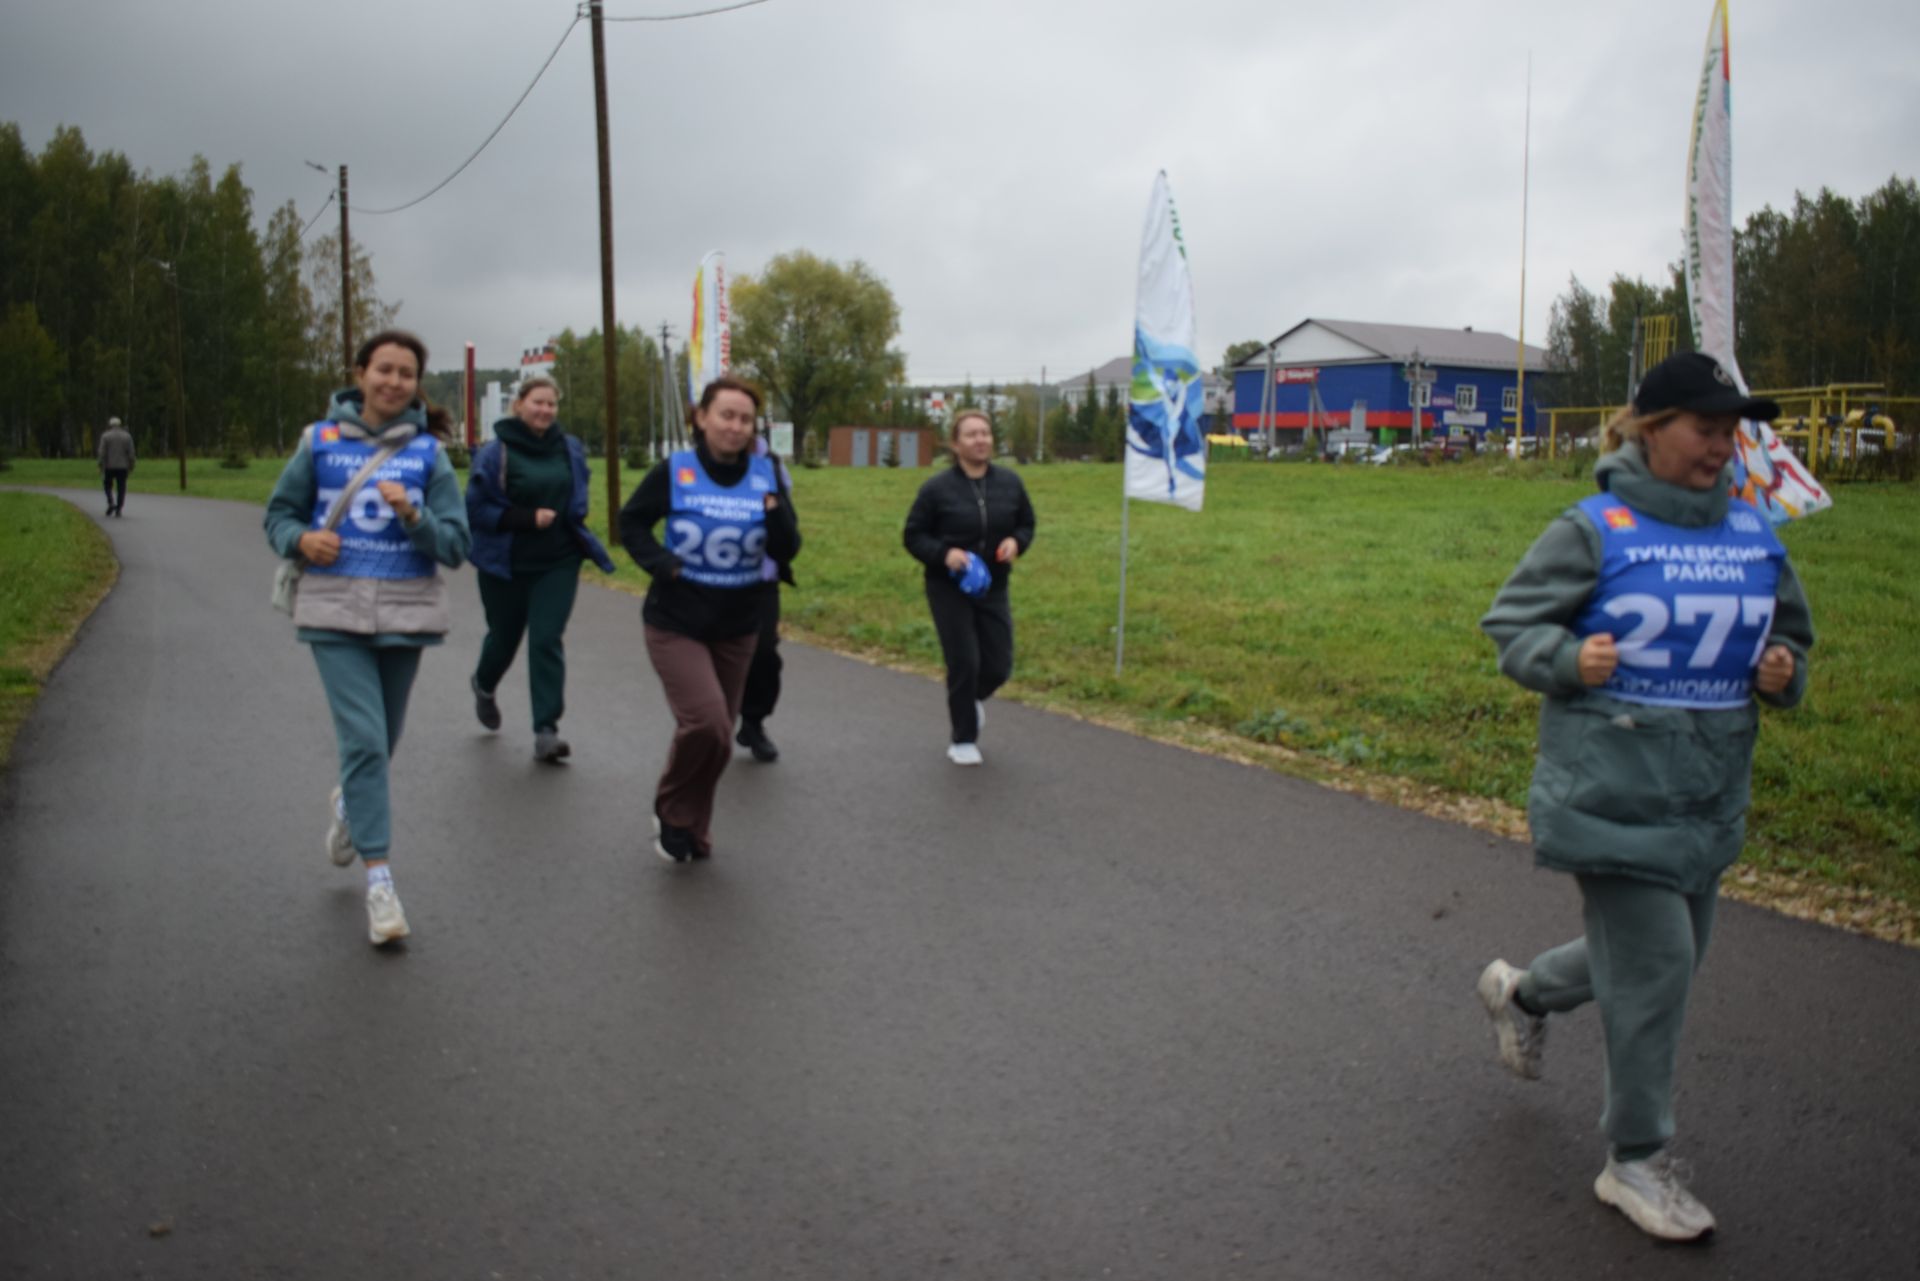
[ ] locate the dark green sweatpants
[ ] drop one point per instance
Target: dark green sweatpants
(536, 606)
(1636, 961)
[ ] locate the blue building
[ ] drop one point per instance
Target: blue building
(1352, 378)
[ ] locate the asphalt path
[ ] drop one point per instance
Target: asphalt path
(1101, 1008)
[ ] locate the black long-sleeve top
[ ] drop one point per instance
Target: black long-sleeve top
(954, 510)
(695, 609)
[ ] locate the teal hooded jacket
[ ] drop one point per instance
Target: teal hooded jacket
(1627, 789)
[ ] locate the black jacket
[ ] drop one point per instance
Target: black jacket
(954, 510)
(693, 609)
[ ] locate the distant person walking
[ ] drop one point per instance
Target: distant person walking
(968, 524)
(725, 513)
(762, 692)
(115, 456)
(527, 505)
(1650, 615)
(371, 597)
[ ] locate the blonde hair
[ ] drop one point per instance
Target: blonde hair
(1630, 424)
(960, 416)
(530, 385)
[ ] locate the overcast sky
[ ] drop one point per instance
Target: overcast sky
(990, 159)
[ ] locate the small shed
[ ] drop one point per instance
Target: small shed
(881, 446)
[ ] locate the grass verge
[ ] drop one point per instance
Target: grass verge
(55, 566)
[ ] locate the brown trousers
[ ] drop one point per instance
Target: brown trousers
(703, 681)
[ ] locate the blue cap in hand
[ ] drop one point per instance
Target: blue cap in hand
(975, 578)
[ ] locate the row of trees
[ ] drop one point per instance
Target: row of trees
(1827, 291)
(159, 301)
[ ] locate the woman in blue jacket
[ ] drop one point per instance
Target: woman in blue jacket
(527, 504)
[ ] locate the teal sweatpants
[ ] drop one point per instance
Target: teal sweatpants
(1636, 960)
(367, 688)
(536, 606)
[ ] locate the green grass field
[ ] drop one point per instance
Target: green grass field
(55, 564)
(1331, 612)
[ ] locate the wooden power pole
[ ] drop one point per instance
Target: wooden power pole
(346, 285)
(608, 335)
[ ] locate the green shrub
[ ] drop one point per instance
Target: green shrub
(238, 446)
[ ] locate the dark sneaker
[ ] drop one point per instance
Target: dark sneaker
(753, 737)
(483, 705)
(548, 746)
(674, 844)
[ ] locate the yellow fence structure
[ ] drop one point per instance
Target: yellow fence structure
(1827, 426)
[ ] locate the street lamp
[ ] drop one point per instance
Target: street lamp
(179, 374)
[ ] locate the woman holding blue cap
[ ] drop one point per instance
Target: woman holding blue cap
(1651, 615)
(968, 525)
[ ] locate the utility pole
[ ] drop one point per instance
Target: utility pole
(179, 379)
(346, 276)
(133, 264)
(1269, 406)
(1419, 378)
(346, 284)
(467, 399)
(1040, 430)
(609, 357)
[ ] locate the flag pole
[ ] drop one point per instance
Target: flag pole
(1526, 177)
(1120, 629)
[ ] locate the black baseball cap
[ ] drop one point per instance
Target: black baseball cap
(1694, 381)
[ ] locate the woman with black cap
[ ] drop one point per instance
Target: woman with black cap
(1651, 616)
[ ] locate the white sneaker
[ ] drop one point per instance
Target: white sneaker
(1652, 1194)
(339, 838)
(1522, 1035)
(964, 753)
(979, 715)
(385, 921)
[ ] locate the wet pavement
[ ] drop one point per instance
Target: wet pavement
(1101, 1008)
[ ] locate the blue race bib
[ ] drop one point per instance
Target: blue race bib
(1690, 609)
(718, 532)
(373, 543)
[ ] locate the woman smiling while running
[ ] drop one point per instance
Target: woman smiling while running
(371, 597)
(725, 512)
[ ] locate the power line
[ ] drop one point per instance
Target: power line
(578, 15)
(678, 17)
(324, 206)
(496, 129)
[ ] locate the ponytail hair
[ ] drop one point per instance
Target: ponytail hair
(1631, 424)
